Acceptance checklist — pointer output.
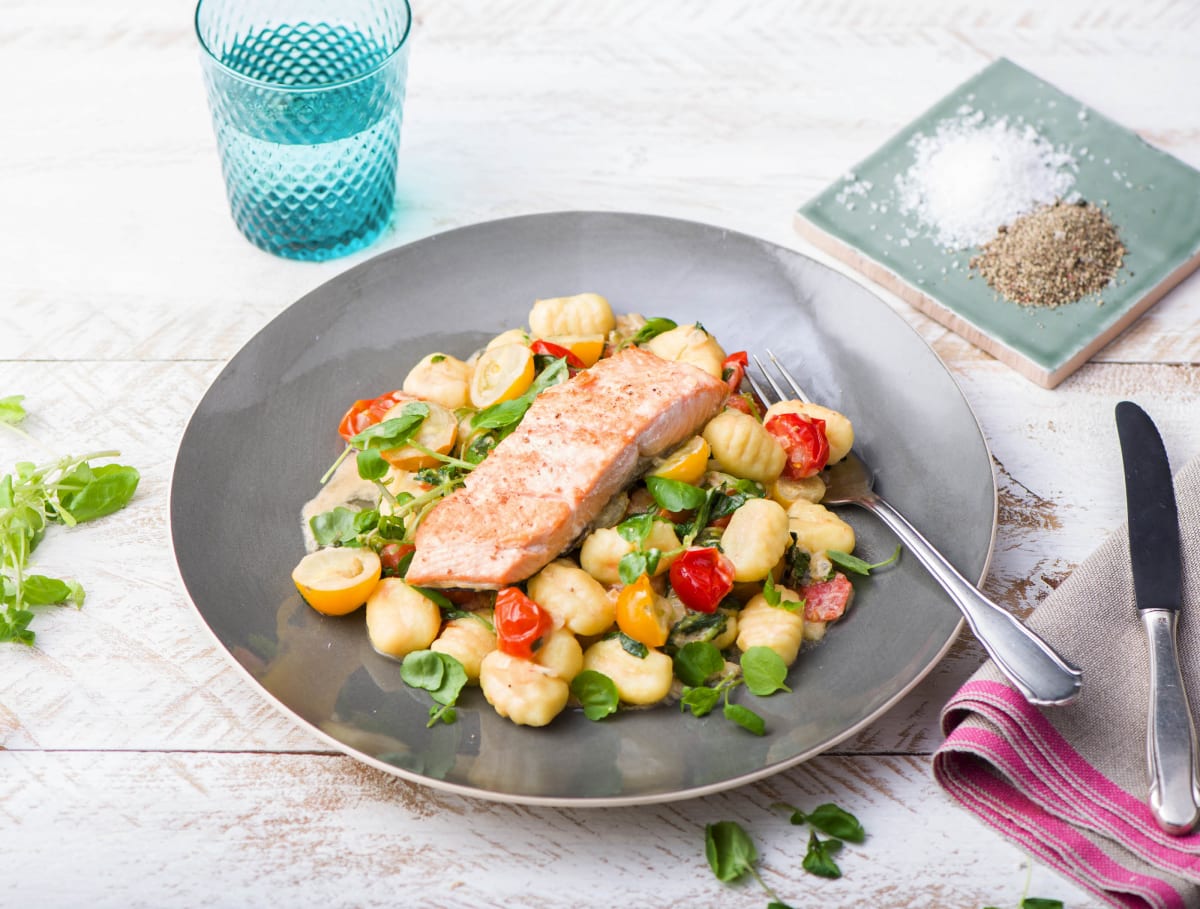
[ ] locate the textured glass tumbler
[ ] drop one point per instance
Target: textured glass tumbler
(307, 98)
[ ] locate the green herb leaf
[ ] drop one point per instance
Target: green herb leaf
(454, 679)
(829, 818)
(636, 530)
(40, 590)
(774, 598)
(442, 601)
(394, 432)
(596, 692)
(423, 669)
(1037, 902)
(11, 409)
(652, 329)
(371, 465)
(856, 565)
(109, 488)
(696, 662)
(729, 850)
(700, 701)
(673, 495)
(764, 671)
(746, 718)
(776, 904)
(508, 414)
(334, 528)
(637, 563)
(819, 858)
(14, 626)
(632, 647)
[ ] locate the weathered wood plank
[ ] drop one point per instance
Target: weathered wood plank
(147, 829)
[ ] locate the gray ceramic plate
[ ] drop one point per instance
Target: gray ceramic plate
(264, 434)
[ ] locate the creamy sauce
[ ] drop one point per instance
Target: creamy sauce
(345, 488)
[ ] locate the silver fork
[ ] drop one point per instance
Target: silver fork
(1031, 664)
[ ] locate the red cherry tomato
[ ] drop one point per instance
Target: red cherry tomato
(520, 623)
(392, 554)
(804, 440)
(550, 349)
(368, 412)
(733, 369)
(702, 578)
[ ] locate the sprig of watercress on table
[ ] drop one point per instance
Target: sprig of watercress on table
(69, 490)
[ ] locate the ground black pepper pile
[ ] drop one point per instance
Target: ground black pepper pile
(1053, 255)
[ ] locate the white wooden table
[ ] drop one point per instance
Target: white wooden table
(138, 768)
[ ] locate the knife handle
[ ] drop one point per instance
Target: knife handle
(1170, 732)
(1033, 666)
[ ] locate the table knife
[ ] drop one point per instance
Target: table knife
(1157, 584)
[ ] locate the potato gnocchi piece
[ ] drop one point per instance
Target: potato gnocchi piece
(560, 653)
(742, 447)
(512, 336)
(581, 314)
(756, 538)
(689, 344)
(838, 429)
(400, 619)
(639, 681)
(763, 625)
(523, 691)
(818, 529)
(468, 639)
(440, 378)
(573, 597)
(785, 490)
(603, 550)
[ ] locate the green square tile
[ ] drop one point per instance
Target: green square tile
(1151, 197)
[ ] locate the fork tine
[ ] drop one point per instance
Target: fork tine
(780, 394)
(759, 392)
(788, 377)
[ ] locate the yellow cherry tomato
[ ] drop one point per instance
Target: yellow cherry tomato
(501, 374)
(437, 432)
(687, 463)
(587, 347)
(337, 581)
(639, 614)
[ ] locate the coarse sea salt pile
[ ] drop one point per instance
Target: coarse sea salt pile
(971, 176)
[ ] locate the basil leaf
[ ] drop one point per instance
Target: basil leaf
(764, 671)
(11, 409)
(859, 566)
(729, 850)
(394, 432)
(696, 662)
(700, 701)
(829, 818)
(819, 858)
(423, 669)
(596, 692)
(673, 495)
(746, 718)
(109, 489)
(652, 329)
(371, 465)
(334, 528)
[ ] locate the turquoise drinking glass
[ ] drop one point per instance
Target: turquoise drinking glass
(307, 98)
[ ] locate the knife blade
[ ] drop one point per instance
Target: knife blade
(1154, 554)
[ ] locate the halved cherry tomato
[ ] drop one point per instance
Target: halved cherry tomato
(702, 577)
(804, 440)
(368, 412)
(550, 349)
(501, 374)
(686, 463)
(639, 614)
(734, 369)
(520, 623)
(337, 581)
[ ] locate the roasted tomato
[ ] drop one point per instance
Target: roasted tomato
(520, 623)
(550, 349)
(804, 440)
(733, 370)
(368, 412)
(702, 577)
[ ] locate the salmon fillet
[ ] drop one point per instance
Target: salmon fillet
(580, 443)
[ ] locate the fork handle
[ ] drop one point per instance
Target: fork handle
(1032, 665)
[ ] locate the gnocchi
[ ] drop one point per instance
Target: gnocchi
(689, 554)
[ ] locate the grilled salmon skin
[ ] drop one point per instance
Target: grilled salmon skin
(580, 443)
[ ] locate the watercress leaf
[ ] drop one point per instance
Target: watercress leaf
(596, 692)
(454, 677)
(39, 590)
(11, 409)
(770, 592)
(764, 671)
(110, 489)
(333, 528)
(423, 669)
(366, 520)
(631, 646)
(729, 850)
(439, 598)
(829, 818)
(652, 329)
(746, 718)
(697, 661)
(393, 432)
(819, 858)
(637, 529)
(632, 566)
(674, 495)
(700, 701)
(371, 465)
(1037, 902)
(14, 626)
(859, 566)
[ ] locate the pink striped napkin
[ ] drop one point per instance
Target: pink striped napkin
(1069, 783)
